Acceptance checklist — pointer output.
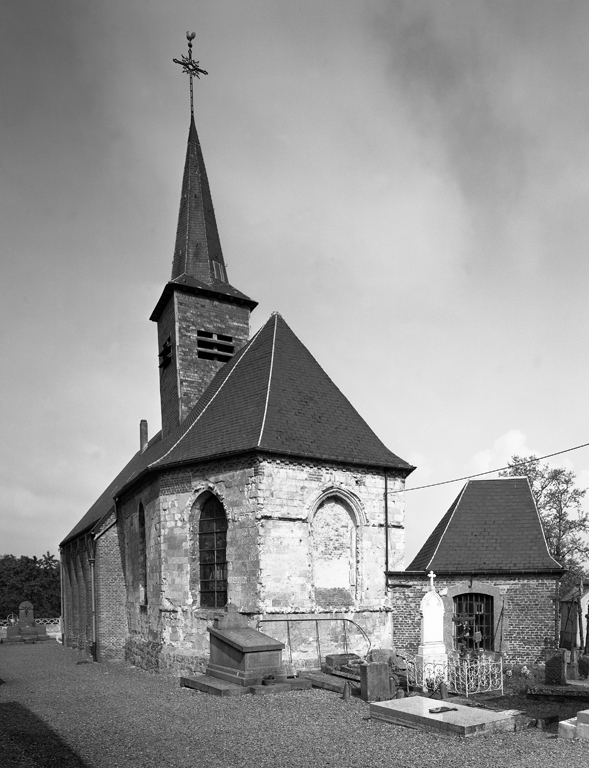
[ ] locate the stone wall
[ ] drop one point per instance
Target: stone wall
(523, 611)
(273, 552)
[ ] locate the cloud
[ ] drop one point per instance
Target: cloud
(512, 442)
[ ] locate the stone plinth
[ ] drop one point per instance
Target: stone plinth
(374, 681)
(242, 655)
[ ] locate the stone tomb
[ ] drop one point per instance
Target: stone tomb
(242, 660)
(242, 655)
(27, 630)
(415, 712)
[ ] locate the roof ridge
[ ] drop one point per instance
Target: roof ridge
(456, 505)
(183, 435)
(275, 316)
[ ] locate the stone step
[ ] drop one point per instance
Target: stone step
(292, 684)
(218, 687)
(213, 685)
(325, 681)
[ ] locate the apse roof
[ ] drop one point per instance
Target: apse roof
(493, 525)
(272, 397)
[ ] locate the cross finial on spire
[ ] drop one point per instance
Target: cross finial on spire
(190, 67)
(431, 576)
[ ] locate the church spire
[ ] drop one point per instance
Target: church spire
(197, 252)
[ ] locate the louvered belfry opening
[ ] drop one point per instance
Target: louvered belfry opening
(473, 621)
(212, 546)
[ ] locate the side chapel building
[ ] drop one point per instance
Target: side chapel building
(265, 488)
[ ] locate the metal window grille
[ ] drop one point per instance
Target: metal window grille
(212, 545)
(473, 621)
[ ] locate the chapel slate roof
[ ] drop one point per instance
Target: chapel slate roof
(273, 397)
(493, 525)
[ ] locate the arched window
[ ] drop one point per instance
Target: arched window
(142, 557)
(473, 622)
(212, 550)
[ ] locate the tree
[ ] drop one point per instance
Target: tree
(30, 578)
(559, 505)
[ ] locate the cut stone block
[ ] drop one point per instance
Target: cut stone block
(414, 712)
(213, 685)
(337, 660)
(374, 681)
(583, 716)
(567, 729)
(582, 730)
(326, 682)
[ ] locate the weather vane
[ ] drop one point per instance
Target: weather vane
(190, 67)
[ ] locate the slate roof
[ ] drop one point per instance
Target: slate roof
(272, 397)
(197, 237)
(493, 525)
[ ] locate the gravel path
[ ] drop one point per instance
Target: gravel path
(56, 712)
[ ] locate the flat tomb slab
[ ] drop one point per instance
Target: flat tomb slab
(247, 640)
(414, 712)
(213, 685)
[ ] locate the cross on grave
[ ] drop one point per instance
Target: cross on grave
(431, 576)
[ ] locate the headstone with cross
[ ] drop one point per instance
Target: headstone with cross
(432, 653)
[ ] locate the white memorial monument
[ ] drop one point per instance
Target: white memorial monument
(432, 659)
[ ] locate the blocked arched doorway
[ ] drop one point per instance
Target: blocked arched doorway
(333, 547)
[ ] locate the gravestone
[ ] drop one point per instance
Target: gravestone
(556, 667)
(374, 681)
(27, 630)
(242, 655)
(432, 659)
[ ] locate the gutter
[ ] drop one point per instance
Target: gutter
(386, 529)
(481, 572)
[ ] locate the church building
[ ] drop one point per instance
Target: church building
(264, 488)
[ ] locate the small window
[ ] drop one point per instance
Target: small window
(214, 346)
(219, 271)
(212, 545)
(165, 354)
(473, 622)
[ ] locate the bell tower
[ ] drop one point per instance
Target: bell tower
(202, 319)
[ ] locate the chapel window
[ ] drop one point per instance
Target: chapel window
(473, 624)
(212, 546)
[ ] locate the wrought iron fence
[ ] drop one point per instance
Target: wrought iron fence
(8, 622)
(465, 676)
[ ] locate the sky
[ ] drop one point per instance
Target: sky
(406, 182)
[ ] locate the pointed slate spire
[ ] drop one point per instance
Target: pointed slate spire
(197, 252)
(198, 249)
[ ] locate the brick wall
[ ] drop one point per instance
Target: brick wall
(111, 618)
(186, 378)
(521, 632)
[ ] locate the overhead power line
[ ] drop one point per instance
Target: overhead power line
(492, 471)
